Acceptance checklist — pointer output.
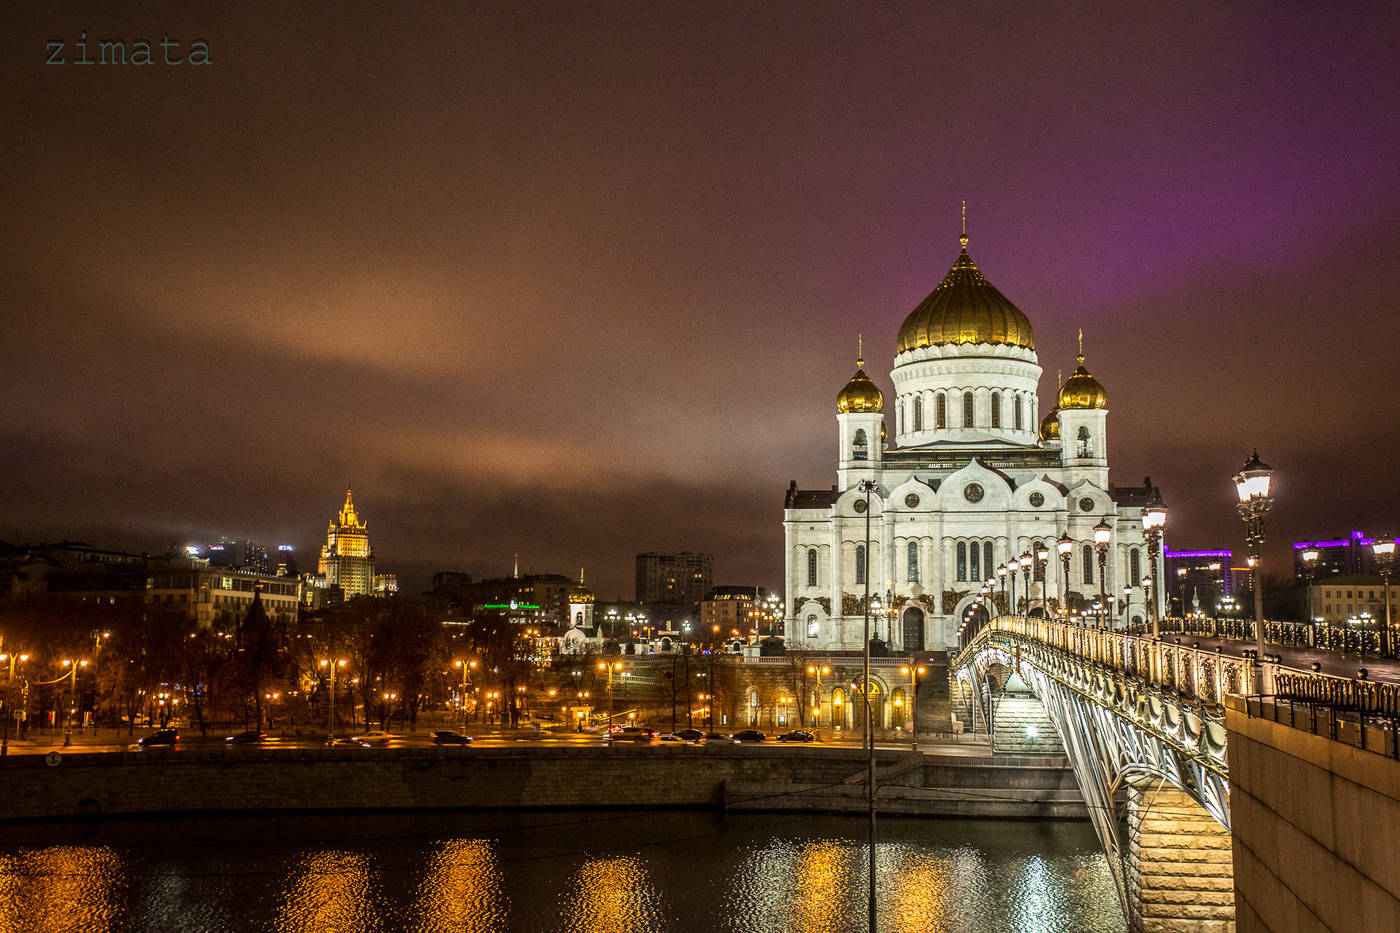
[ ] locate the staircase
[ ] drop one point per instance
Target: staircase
(1021, 727)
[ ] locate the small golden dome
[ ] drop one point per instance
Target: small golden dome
(965, 308)
(1050, 426)
(1081, 390)
(860, 394)
(884, 432)
(580, 593)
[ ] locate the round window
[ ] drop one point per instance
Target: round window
(1086, 504)
(1037, 500)
(912, 501)
(859, 506)
(972, 492)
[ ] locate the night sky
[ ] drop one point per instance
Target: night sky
(577, 281)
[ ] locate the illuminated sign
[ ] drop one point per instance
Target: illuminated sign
(511, 605)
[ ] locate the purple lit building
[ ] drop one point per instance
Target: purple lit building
(1197, 578)
(1336, 557)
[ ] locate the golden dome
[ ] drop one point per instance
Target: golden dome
(1050, 426)
(860, 394)
(580, 593)
(965, 308)
(1082, 390)
(884, 432)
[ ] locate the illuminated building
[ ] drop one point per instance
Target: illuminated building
(217, 597)
(969, 474)
(678, 579)
(730, 608)
(1197, 579)
(347, 560)
(1352, 554)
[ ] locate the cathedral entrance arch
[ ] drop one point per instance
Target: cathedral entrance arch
(877, 709)
(913, 629)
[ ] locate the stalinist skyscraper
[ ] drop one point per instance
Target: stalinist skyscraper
(347, 560)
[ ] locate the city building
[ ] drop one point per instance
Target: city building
(1196, 581)
(1353, 554)
(968, 474)
(347, 560)
(679, 579)
(1352, 598)
(212, 596)
(71, 573)
(727, 611)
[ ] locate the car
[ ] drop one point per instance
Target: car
(639, 734)
(344, 741)
(161, 738)
(797, 735)
(375, 738)
(448, 737)
(690, 735)
(252, 737)
(749, 735)
(718, 738)
(673, 738)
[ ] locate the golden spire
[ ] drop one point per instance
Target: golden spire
(963, 239)
(1081, 346)
(860, 350)
(580, 575)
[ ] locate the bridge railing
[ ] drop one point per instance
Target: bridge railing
(1319, 636)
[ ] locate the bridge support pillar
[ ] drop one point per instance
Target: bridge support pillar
(1179, 873)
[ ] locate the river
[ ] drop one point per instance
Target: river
(572, 872)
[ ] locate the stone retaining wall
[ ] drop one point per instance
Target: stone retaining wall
(438, 778)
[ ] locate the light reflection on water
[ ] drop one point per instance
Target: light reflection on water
(568, 872)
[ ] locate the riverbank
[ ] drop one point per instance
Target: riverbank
(259, 780)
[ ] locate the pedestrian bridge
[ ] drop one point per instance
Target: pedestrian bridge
(1143, 723)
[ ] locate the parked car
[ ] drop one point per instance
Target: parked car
(375, 738)
(797, 735)
(718, 738)
(639, 734)
(750, 735)
(448, 737)
(251, 737)
(345, 740)
(161, 738)
(674, 738)
(690, 735)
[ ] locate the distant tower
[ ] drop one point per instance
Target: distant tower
(347, 560)
(581, 604)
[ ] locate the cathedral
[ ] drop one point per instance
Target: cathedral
(974, 478)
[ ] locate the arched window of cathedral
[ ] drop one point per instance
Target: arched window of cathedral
(861, 447)
(975, 569)
(1038, 573)
(1134, 567)
(813, 628)
(913, 562)
(812, 567)
(1088, 556)
(941, 411)
(1016, 413)
(918, 414)
(1086, 447)
(967, 409)
(860, 563)
(962, 560)
(987, 557)
(996, 409)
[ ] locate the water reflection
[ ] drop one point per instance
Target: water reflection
(461, 890)
(921, 890)
(61, 888)
(610, 895)
(328, 891)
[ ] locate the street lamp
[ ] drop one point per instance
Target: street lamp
(914, 672)
(1042, 557)
(1252, 484)
(1002, 571)
(1103, 533)
(1310, 558)
(868, 486)
(9, 700)
(819, 670)
(466, 667)
(1127, 598)
(1154, 519)
(333, 664)
(72, 698)
(1384, 549)
(609, 666)
(1065, 546)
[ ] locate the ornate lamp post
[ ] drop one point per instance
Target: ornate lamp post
(868, 486)
(9, 700)
(819, 670)
(332, 663)
(914, 672)
(466, 667)
(1310, 558)
(1384, 549)
(1026, 562)
(1001, 573)
(1065, 546)
(1252, 484)
(1127, 598)
(1042, 557)
(1103, 534)
(1154, 519)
